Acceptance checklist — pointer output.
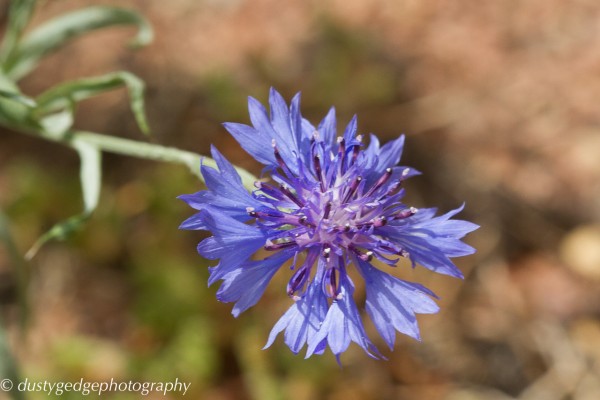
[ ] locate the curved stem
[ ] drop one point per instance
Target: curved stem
(138, 149)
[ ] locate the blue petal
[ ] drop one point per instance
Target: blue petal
(303, 319)
(350, 131)
(246, 283)
(392, 303)
(422, 250)
(430, 240)
(195, 222)
(226, 190)
(256, 142)
(197, 201)
(327, 129)
(280, 120)
(297, 124)
(227, 170)
(230, 237)
(390, 154)
(342, 325)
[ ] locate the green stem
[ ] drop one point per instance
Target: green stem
(147, 151)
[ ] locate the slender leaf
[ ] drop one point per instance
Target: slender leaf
(90, 175)
(59, 123)
(65, 94)
(18, 18)
(14, 110)
(57, 32)
(19, 98)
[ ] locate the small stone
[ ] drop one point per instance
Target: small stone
(580, 250)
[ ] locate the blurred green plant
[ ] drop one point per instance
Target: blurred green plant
(50, 115)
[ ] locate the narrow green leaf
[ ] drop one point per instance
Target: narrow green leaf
(63, 95)
(19, 98)
(18, 17)
(57, 32)
(14, 111)
(59, 123)
(60, 231)
(90, 175)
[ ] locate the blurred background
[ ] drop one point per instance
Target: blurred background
(499, 102)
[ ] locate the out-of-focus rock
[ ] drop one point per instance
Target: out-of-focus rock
(580, 250)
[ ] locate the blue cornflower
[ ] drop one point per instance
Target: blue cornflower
(330, 204)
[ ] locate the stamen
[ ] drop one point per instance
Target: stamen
(269, 190)
(298, 282)
(352, 189)
(379, 222)
(303, 220)
(368, 256)
(271, 246)
(267, 214)
(341, 155)
(330, 283)
(327, 252)
(406, 213)
(392, 250)
(382, 180)
(356, 150)
(327, 210)
(280, 159)
(319, 172)
(286, 190)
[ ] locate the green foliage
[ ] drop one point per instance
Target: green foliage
(63, 96)
(53, 34)
(51, 114)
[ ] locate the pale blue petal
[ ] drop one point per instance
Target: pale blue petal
(245, 284)
(392, 303)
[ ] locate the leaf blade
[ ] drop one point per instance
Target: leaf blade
(90, 176)
(66, 94)
(19, 15)
(57, 32)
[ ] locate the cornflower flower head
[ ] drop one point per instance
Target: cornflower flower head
(331, 204)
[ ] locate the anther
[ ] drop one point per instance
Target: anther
(271, 246)
(286, 190)
(330, 283)
(319, 172)
(280, 159)
(379, 222)
(327, 210)
(297, 282)
(406, 213)
(352, 188)
(382, 180)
